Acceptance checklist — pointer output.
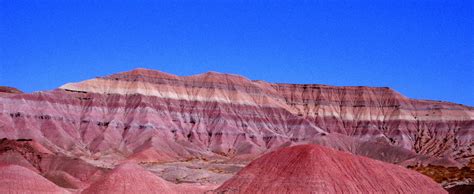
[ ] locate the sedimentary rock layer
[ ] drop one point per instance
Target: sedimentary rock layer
(226, 115)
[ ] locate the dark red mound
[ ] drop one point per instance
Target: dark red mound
(65, 171)
(313, 168)
(130, 178)
(22, 152)
(6, 89)
(17, 179)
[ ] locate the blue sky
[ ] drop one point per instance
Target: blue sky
(423, 49)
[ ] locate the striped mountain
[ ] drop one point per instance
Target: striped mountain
(215, 114)
(150, 116)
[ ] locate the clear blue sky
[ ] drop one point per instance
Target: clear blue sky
(423, 49)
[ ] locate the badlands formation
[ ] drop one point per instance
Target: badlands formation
(148, 131)
(315, 169)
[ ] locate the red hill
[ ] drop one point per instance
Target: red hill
(313, 168)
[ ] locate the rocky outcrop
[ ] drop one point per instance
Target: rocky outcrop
(316, 169)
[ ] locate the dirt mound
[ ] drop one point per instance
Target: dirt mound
(11, 90)
(313, 168)
(130, 178)
(17, 179)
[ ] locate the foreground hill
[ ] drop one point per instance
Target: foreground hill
(17, 179)
(316, 169)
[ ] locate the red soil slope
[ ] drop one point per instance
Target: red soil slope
(62, 170)
(130, 178)
(17, 179)
(316, 169)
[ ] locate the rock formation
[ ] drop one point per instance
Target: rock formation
(316, 169)
(151, 117)
(229, 115)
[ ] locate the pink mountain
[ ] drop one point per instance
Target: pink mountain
(154, 118)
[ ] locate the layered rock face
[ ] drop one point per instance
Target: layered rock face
(316, 169)
(425, 127)
(147, 116)
(216, 114)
